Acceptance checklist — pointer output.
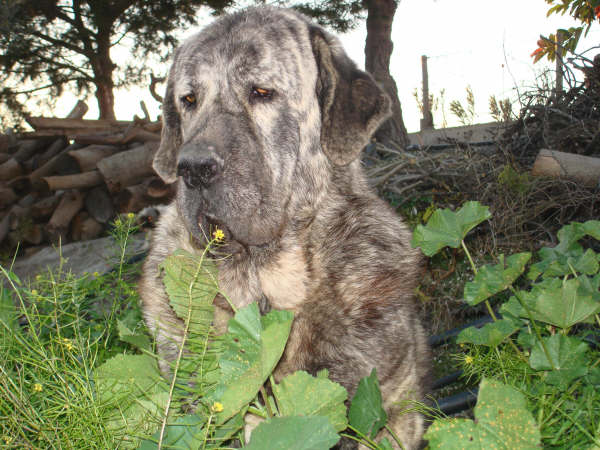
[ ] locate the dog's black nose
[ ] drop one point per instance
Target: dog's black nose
(198, 173)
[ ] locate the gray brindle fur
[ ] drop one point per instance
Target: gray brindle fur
(269, 152)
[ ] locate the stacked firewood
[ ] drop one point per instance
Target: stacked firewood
(68, 179)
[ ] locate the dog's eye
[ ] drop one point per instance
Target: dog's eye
(261, 93)
(189, 100)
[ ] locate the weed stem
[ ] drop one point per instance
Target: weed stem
(265, 397)
(487, 303)
(394, 435)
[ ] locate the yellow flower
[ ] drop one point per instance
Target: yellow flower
(218, 235)
(469, 360)
(217, 407)
(130, 215)
(37, 387)
(34, 292)
(8, 440)
(96, 274)
(67, 343)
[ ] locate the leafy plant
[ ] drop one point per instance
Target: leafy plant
(541, 344)
(584, 11)
(79, 373)
(501, 421)
(53, 331)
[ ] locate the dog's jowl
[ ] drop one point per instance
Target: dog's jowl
(264, 119)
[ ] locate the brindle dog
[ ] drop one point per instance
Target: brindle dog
(264, 119)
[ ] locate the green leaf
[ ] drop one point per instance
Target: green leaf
(133, 387)
(590, 286)
(446, 228)
(491, 334)
(385, 444)
(129, 376)
(564, 307)
(492, 279)
(301, 394)
(366, 411)
(294, 433)
(502, 421)
(251, 349)
(226, 431)
(558, 260)
(184, 432)
(568, 357)
(140, 341)
(191, 284)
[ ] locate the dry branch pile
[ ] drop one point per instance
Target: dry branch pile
(70, 177)
(527, 209)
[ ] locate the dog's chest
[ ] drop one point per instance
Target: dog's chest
(285, 279)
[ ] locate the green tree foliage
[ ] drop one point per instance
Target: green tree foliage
(585, 11)
(48, 45)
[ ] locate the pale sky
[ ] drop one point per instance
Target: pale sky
(482, 43)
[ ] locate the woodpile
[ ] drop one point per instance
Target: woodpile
(68, 179)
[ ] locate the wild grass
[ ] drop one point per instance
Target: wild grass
(53, 332)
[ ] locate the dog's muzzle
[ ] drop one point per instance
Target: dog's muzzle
(199, 165)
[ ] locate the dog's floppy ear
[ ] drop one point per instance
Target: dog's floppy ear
(352, 104)
(165, 159)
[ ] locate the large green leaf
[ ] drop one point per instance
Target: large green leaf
(301, 394)
(492, 279)
(134, 393)
(569, 359)
(294, 433)
(191, 284)
(558, 260)
(502, 421)
(251, 349)
(491, 334)
(366, 410)
(185, 432)
(139, 340)
(563, 307)
(125, 377)
(447, 228)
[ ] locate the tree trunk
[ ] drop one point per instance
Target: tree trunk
(103, 68)
(378, 50)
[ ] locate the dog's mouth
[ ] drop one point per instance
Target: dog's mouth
(212, 228)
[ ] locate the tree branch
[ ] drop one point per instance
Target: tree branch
(83, 32)
(41, 88)
(60, 43)
(55, 63)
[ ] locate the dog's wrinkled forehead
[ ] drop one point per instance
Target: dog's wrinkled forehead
(262, 46)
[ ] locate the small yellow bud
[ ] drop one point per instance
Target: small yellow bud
(96, 274)
(34, 292)
(130, 215)
(469, 360)
(37, 387)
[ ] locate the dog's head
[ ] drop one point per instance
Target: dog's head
(259, 107)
